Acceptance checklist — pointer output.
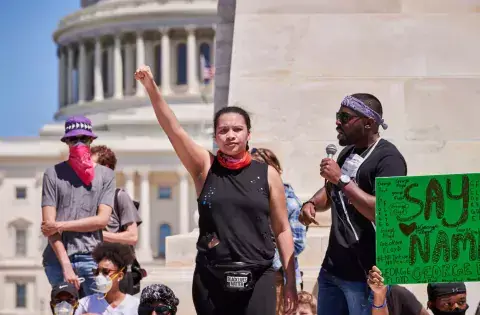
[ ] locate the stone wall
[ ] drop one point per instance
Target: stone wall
(294, 61)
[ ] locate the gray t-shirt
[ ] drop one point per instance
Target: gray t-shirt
(123, 214)
(73, 200)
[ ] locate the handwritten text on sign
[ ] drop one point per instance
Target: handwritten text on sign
(428, 228)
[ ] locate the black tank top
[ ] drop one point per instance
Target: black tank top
(234, 207)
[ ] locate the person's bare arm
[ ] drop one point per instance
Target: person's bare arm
(320, 200)
(363, 202)
(89, 224)
(48, 215)
(380, 291)
(129, 236)
(318, 203)
(388, 166)
(379, 299)
(283, 235)
(195, 158)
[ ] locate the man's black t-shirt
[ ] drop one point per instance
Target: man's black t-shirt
(351, 247)
(401, 301)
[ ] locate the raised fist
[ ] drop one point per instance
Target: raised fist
(144, 75)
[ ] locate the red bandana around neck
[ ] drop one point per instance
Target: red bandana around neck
(81, 162)
(234, 164)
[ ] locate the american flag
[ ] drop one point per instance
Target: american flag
(208, 71)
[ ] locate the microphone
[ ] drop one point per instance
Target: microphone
(331, 149)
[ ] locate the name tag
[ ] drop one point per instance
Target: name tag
(351, 165)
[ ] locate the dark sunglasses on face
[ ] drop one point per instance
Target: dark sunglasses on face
(82, 139)
(344, 118)
(159, 310)
(103, 271)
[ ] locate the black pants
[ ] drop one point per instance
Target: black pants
(210, 298)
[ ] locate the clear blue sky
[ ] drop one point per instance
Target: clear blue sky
(28, 63)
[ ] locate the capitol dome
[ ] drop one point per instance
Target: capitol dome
(101, 45)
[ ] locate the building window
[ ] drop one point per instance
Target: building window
(21, 295)
(165, 231)
(181, 64)
(21, 192)
(20, 242)
(164, 192)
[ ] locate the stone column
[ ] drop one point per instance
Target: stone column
(183, 202)
(89, 76)
(144, 252)
(140, 90)
(69, 75)
(61, 77)
(129, 69)
(97, 71)
(82, 71)
(117, 67)
(129, 183)
(223, 51)
(192, 61)
(166, 66)
(110, 71)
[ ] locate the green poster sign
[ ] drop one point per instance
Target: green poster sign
(428, 228)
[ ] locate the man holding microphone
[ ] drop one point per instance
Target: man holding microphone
(350, 193)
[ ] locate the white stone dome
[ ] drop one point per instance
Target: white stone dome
(101, 45)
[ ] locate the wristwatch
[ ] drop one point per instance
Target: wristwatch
(344, 181)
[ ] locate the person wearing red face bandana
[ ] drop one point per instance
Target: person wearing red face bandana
(77, 201)
(238, 198)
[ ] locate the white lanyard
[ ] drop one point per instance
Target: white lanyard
(340, 193)
(366, 156)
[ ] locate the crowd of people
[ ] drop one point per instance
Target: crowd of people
(252, 226)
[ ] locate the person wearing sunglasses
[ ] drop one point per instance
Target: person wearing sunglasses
(240, 203)
(350, 193)
(64, 299)
(158, 299)
(447, 298)
(77, 201)
(112, 260)
(298, 230)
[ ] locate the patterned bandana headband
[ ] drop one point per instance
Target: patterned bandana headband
(360, 107)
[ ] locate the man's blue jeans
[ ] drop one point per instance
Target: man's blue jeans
(341, 297)
(82, 266)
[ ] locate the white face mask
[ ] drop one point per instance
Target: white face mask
(63, 308)
(104, 283)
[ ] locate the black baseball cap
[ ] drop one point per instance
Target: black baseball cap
(64, 287)
(435, 290)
